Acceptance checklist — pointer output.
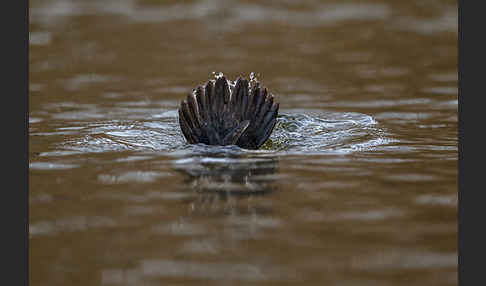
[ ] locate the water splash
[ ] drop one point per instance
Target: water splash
(217, 75)
(296, 133)
(253, 77)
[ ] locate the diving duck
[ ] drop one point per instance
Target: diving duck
(221, 112)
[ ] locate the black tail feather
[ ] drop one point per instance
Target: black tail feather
(263, 110)
(208, 91)
(219, 115)
(201, 103)
(186, 130)
(267, 131)
(193, 110)
(269, 122)
(259, 100)
(218, 98)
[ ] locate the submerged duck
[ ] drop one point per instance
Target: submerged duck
(223, 113)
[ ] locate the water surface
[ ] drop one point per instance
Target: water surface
(357, 185)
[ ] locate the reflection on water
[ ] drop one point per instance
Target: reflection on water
(357, 185)
(228, 175)
(226, 181)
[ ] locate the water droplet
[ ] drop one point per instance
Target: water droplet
(253, 77)
(217, 74)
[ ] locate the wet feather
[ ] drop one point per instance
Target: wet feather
(220, 114)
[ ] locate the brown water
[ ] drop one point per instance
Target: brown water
(356, 186)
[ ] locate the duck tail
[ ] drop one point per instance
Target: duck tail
(219, 113)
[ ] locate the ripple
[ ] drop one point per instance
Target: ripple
(372, 215)
(404, 117)
(58, 153)
(406, 260)
(383, 103)
(83, 80)
(35, 87)
(239, 14)
(296, 132)
(39, 38)
(70, 224)
(200, 246)
(33, 120)
(446, 90)
(444, 200)
(50, 166)
(213, 271)
(179, 229)
(329, 132)
(445, 77)
(447, 22)
(136, 176)
(413, 178)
